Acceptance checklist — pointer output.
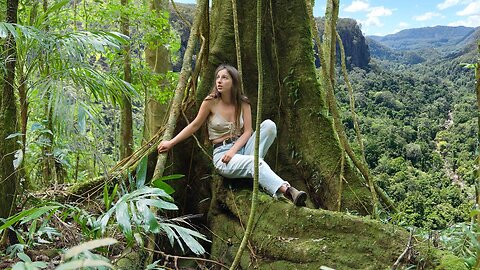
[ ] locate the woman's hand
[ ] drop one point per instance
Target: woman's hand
(228, 156)
(164, 146)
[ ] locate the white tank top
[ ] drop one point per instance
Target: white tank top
(219, 127)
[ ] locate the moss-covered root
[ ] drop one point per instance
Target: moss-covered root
(289, 237)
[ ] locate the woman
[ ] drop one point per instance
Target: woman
(229, 124)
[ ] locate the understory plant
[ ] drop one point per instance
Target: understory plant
(134, 214)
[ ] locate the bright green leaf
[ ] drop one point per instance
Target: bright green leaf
(170, 177)
(164, 186)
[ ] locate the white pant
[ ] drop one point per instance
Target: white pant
(241, 164)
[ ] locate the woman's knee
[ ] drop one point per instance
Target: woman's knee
(269, 127)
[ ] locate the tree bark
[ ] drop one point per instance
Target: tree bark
(49, 164)
(8, 121)
(126, 121)
(158, 59)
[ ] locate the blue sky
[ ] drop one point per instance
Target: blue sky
(383, 17)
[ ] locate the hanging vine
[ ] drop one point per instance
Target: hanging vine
(179, 91)
(352, 99)
(327, 57)
(253, 208)
(277, 69)
(237, 42)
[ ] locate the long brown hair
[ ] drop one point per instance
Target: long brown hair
(237, 91)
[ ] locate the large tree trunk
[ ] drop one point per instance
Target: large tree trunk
(8, 121)
(308, 152)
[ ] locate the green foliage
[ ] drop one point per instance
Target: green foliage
(39, 231)
(75, 258)
(160, 182)
(134, 208)
(27, 263)
(419, 129)
(71, 62)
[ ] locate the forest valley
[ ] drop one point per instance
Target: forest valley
(386, 148)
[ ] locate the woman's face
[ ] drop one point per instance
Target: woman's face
(223, 81)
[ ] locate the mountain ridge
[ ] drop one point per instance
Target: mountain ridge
(449, 37)
(409, 46)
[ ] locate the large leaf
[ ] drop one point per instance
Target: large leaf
(160, 182)
(160, 204)
(74, 251)
(149, 218)
(170, 177)
(27, 215)
(185, 235)
(123, 219)
(164, 186)
(141, 173)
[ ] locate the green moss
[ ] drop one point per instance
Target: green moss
(451, 262)
(289, 237)
(309, 238)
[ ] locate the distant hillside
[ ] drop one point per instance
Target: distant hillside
(413, 46)
(426, 37)
(382, 52)
(468, 52)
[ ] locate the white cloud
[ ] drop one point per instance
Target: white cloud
(375, 21)
(448, 3)
(471, 9)
(379, 12)
(374, 14)
(426, 16)
(471, 21)
(356, 6)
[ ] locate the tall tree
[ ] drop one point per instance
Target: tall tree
(49, 170)
(8, 121)
(158, 59)
(126, 121)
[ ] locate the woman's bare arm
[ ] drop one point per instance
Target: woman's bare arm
(188, 131)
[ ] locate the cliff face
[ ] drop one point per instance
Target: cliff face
(356, 49)
(357, 52)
